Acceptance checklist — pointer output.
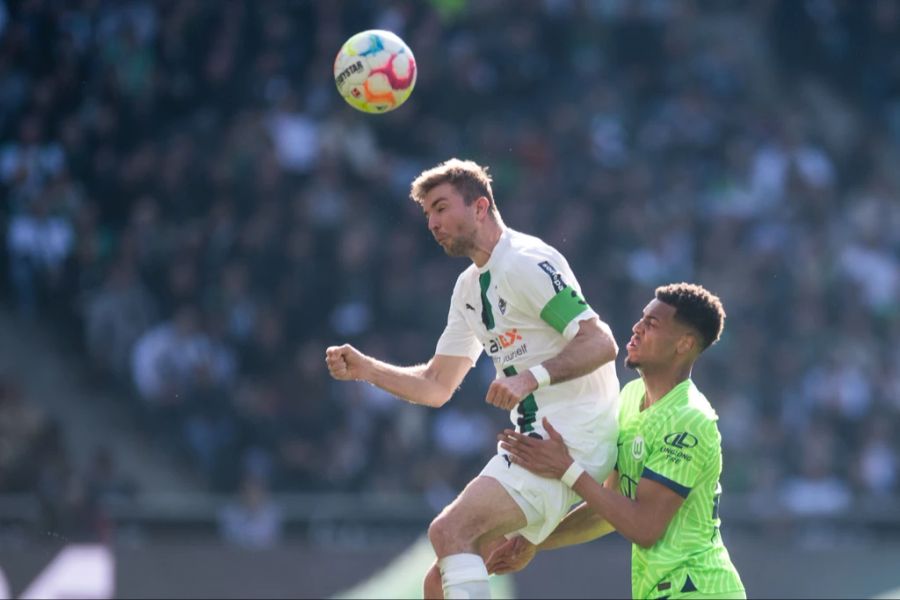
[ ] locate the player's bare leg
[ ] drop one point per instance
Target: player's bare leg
(471, 525)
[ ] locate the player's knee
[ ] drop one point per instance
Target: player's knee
(443, 535)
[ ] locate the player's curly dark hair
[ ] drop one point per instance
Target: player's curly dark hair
(696, 307)
(469, 178)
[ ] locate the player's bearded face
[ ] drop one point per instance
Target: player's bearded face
(463, 242)
(450, 220)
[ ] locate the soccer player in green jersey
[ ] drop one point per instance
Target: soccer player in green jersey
(664, 492)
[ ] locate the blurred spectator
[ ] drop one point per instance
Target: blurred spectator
(816, 490)
(106, 484)
(29, 162)
(68, 510)
(878, 467)
(39, 245)
(21, 428)
(115, 317)
(252, 521)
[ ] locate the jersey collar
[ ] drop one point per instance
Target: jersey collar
(681, 390)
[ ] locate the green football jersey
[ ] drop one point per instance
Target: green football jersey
(676, 442)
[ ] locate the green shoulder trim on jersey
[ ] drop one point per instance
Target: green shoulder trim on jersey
(527, 407)
(562, 308)
(487, 315)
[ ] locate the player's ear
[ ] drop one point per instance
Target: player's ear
(686, 343)
(482, 205)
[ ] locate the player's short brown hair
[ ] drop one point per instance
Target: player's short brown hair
(469, 178)
(696, 307)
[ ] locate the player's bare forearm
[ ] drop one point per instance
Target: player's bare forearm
(642, 521)
(581, 525)
(620, 512)
(430, 384)
(592, 347)
(407, 383)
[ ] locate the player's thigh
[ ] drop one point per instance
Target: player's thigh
(483, 511)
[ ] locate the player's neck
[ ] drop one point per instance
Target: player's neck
(658, 384)
(485, 242)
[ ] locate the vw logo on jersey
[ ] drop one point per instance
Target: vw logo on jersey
(637, 448)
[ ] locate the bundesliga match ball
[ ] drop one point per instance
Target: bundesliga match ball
(375, 71)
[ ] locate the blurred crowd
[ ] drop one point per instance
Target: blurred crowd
(188, 200)
(74, 501)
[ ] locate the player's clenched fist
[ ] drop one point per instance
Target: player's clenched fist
(507, 392)
(345, 362)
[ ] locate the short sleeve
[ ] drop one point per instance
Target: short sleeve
(548, 286)
(678, 454)
(458, 339)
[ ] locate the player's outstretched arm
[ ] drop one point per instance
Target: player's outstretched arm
(581, 525)
(431, 384)
(643, 520)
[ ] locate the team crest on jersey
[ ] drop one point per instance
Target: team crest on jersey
(637, 448)
(501, 304)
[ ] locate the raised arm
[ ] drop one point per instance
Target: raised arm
(431, 384)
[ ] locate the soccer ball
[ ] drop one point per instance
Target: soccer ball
(375, 71)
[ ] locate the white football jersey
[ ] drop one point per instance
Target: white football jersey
(522, 308)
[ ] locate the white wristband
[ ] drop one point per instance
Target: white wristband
(541, 374)
(572, 474)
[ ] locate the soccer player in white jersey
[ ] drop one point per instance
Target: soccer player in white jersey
(520, 302)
